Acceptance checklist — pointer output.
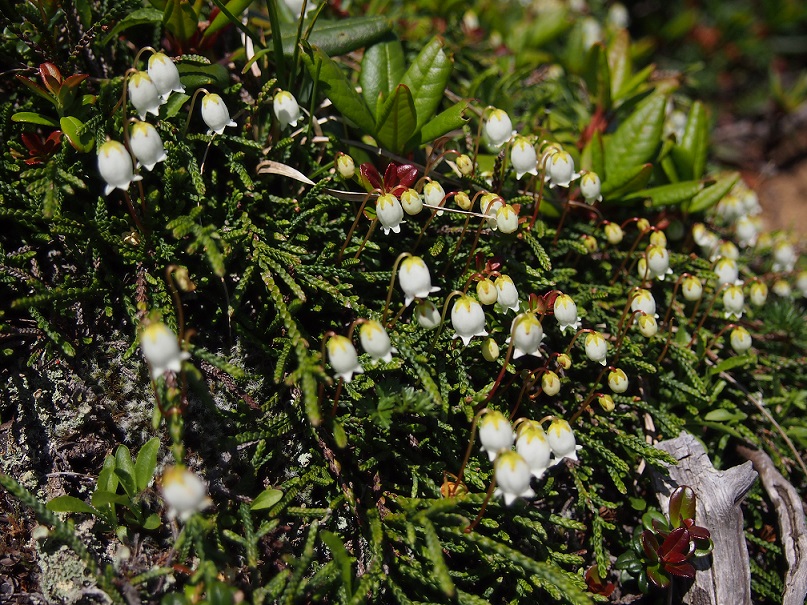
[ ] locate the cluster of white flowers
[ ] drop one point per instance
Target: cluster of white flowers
(535, 451)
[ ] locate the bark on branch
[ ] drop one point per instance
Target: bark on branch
(719, 494)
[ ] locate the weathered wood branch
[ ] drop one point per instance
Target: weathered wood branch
(719, 494)
(792, 526)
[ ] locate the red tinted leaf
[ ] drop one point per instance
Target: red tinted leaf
(676, 542)
(682, 505)
(684, 570)
(390, 176)
(55, 139)
(674, 558)
(656, 575)
(51, 77)
(74, 80)
(370, 175)
(407, 175)
(597, 584)
(650, 545)
(698, 532)
(549, 299)
(32, 142)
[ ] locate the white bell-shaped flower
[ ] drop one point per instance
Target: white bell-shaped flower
(498, 128)
(782, 289)
(692, 288)
(707, 240)
(618, 380)
(740, 340)
(286, 109)
(184, 493)
(561, 440)
(411, 202)
(658, 261)
(415, 280)
(758, 293)
(343, 357)
(596, 347)
(507, 219)
(146, 144)
(747, 230)
(784, 256)
(161, 349)
(427, 314)
(486, 291)
(550, 383)
(523, 157)
(389, 212)
(468, 319)
(733, 302)
(512, 477)
(566, 313)
(729, 250)
(801, 283)
(533, 446)
(143, 95)
(526, 333)
(164, 74)
(727, 271)
(590, 187)
(507, 293)
(613, 233)
(116, 166)
(433, 193)
(489, 205)
(495, 433)
(643, 301)
(648, 325)
(215, 113)
(560, 171)
(375, 341)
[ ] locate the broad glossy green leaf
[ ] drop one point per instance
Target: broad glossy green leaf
(633, 181)
(713, 194)
(194, 74)
(336, 38)
(125, 470)
(396, 121)
(427, 78)
(636, 140)
(593, 156)
(69, 504)
(107, 480)
(234, 7)
(334, 84)
(102, 498)
(266, 499)
(723, 415)
(180, 19)
(175, 103)
(668, 195)
(141, 16)
(152, 522)
(635, 82)
(146, 463)
(597, 75)
(690, 154)
(381, 70)
(444, 122)
(620, 64)
(30, 117)
(81, 139)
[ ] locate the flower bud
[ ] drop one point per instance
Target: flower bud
(345, 166)
(617, 380)
(781, 288)
(486, 291)
(613, 233)
(115, 166)
(468, 319)
(692, 288)
(648, 325)
(726, 270)
(564, 361)
(590, 242)
(729, 250)
(433, 193)
(343, 357)
(411, 202)
(146, 144)
(490, 349)
(389, 212)
(465, 165)
(740, 340)
(590, 187)
(512, 477)
(143, 94)
(215, 114)
(657, 238)
(414, 278)
(462, 200)
(498, 128)
(642, 225)
(375, 341)
(596, 347)
(550, 383)
(495, 433)
(801, 283)
(758, 293)
(606, 402)
(643, 301)
(286, 109)
(507, 219)
(523, 157)
(164, 74)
